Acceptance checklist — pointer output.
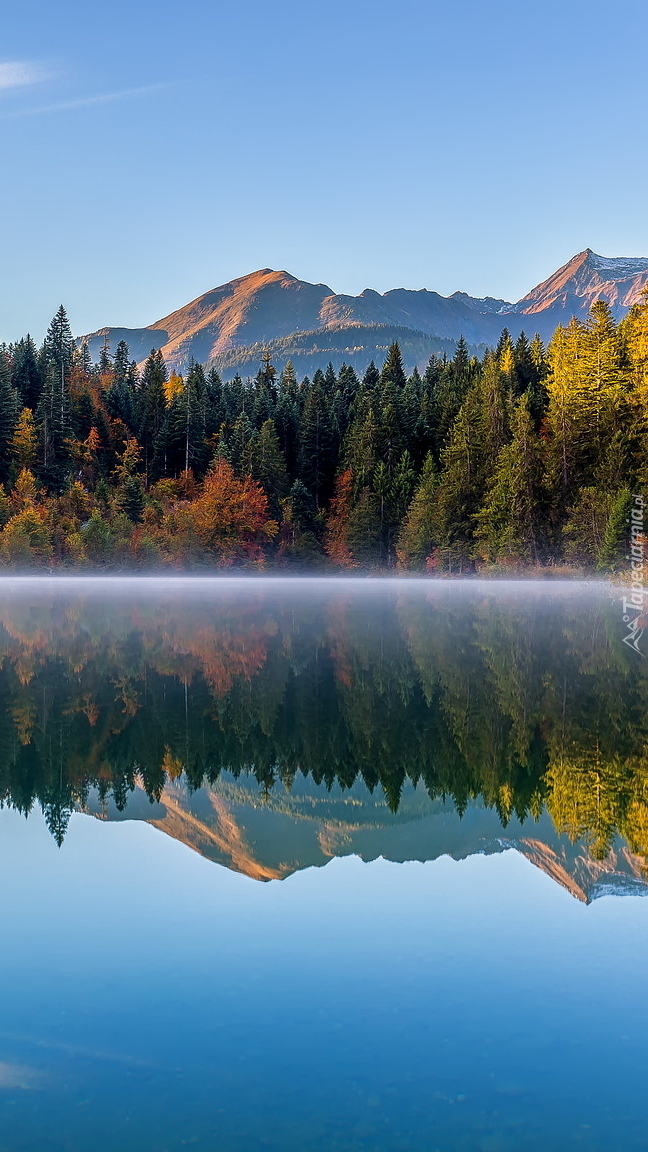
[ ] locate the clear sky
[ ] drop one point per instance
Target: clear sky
(154, 150)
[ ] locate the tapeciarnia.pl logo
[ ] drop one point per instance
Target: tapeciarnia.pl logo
(633, 602)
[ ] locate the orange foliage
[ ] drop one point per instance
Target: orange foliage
(230, 517)
(338, 523)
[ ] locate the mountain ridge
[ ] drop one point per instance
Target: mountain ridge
(225, 326)
(285, 833)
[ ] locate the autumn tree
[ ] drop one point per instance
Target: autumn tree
(230, 517)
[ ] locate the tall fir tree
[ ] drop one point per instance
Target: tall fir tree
(9, 408)
(151, 412)
(25, 373)
(317, 457)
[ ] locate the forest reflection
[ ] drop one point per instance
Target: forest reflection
(524, 700)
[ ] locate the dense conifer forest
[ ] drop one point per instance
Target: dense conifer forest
(527, 458)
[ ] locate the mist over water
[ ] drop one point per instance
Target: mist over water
(177, 741)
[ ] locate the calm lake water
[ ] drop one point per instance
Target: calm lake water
(313, 865)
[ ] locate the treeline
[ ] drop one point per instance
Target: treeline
(527, 457)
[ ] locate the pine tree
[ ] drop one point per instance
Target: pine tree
(105, 359)
(83, 360)
(371, 378)
(393, 370)
(287, 418)
(185, 429)
(612, 552)
(317, 460)
(268, 466)
(303, 510)
(9, 407)
(461, 485)
(495, 387)
(330, 380)
(59, 344)
(360, 451)
(55, 428)
(151, 412)
(121, 396)
(417, 536)
(446, 386)
(53, 413)
(511, 521)
(239, 445)
(25, 373)
(461, 362)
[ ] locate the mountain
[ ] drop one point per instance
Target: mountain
(587, 277)
(310, 324)
(268, 837)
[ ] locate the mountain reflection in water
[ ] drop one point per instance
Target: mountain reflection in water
(274, 724)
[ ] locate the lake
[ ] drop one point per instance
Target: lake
(321, 865)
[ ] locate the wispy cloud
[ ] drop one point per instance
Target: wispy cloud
(84, 101)
(19, 73)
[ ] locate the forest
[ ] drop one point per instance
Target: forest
(528, 458)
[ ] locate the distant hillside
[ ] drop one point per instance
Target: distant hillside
(309, 323)
(356, 346)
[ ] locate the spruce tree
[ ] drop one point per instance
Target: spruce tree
(371, 378)
(317, 458)
(53, 418)
(461, 485)
(151, 412)
(121, 396)
(25, 373)
(59, 344)
(393, 370)
(268, 466)
(9, 408)
(511, 523)
(417, 536)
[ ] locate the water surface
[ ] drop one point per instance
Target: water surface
(321, 865)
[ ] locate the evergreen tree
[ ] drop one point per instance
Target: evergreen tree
(461, 485)
(9, 407)
(317, 460)
(184, 427)
(151, 412)
(303, 510)
(371, 378)
(510, 523)
(105, 359)
(53, 418)
(239, 445)
(59, 344)
(268, 466)
(417, 536)
(25, 373)
(330, 380)
(393, 370)
(121, 396)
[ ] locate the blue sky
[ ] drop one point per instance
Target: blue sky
(153, 150)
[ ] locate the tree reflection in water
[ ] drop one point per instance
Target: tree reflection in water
(522, 698)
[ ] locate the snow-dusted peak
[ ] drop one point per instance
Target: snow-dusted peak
(617, 267)
(585, 278)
